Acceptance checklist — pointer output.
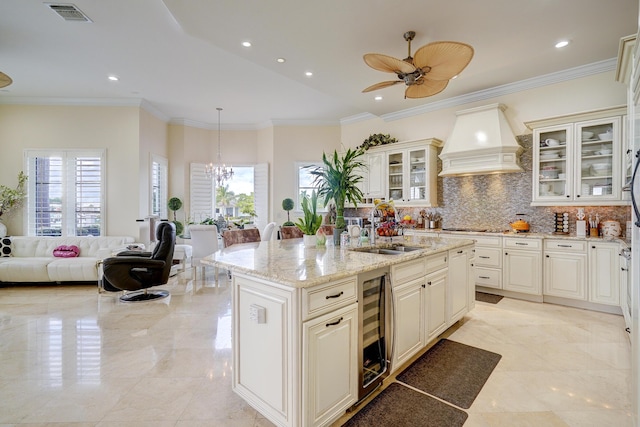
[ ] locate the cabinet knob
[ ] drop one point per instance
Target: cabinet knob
(423, 285)
(506, 253)
(429, 283)
(578, 195)
(593, 247)
(568, 195)
(547, 256)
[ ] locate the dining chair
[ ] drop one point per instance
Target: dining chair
(267, 233)
(290, 232)
(232, 237)
(204, 241)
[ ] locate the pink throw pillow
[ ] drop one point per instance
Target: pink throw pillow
(64, 251)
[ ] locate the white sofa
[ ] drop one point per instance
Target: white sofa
(32, 259)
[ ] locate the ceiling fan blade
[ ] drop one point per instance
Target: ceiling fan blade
(381, 85)
(446, 59)
(4, 80)
(425, 88)
(388, 64)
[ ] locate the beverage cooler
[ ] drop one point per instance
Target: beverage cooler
(373, 330)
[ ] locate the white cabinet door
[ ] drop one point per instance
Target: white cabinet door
(579, 163)
(522, 271)
(262, 348)
(436, 317)
(375, 180)
(565, 275)
(408, 314)
(330, 374)
(458, 279)
(604, 273)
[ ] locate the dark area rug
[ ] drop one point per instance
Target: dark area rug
(490, 298)
(452, 371)
(398, 405)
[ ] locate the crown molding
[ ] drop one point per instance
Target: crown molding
(357, 118)
(532, 83)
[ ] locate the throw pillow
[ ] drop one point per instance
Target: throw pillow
(64, 251)
(5, 247)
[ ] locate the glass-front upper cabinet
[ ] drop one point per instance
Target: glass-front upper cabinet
(598, 159)
(408, 175)
(578, 163)
(396, 175)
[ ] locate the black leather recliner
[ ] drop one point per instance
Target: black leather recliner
(137, 271)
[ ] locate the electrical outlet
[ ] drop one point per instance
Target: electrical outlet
(257, 314)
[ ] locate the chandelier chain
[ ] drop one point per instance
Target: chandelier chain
(219, 172)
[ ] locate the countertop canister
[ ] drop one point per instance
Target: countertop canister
(611, 228)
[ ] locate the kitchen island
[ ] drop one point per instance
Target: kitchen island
(296, 317)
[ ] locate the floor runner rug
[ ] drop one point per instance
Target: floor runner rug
(452, 371)
(399, 405)
(490, 298)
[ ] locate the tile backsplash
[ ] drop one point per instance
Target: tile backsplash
(492, 201)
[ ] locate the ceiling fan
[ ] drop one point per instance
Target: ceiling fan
(425, 74)
(4, 80)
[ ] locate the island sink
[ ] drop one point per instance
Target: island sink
(389, 250)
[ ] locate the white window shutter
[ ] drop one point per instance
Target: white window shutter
(201, 190)
(261, 194)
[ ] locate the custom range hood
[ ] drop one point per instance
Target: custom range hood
(481, 142)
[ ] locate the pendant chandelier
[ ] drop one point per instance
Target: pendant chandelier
(219, 172)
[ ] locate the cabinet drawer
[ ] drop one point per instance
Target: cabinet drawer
(493, 241)
(565, 245)
(489, 277)
(436, 262)
(524, 243)
(488, 257)
(401, 273)
(323, 298)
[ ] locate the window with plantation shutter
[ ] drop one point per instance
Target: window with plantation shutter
(202, 194)
(65, 192)
(159, 181)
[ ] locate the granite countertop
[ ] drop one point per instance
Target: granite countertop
(289, 263)
(439, 231)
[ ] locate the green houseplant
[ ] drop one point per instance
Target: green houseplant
(287, 205)
(11, 198)
(311, 221)
(175, 204)
(338, 180)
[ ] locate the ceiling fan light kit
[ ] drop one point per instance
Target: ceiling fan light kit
(428, 72)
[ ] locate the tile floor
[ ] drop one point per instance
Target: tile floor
(71, 357)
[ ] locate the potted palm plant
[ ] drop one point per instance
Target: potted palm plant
(11, 198)
(338, 180)
(311, 220)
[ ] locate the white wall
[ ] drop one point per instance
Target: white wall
(297, 144)
(587, 93)
(130, 134)
(113, 128)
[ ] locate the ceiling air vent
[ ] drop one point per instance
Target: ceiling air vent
(69, 12)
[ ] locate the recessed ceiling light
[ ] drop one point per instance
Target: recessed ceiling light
(113, 78)
(562, 43)
(280, 60)
(378, 98)
(308, 74)
(246, 44)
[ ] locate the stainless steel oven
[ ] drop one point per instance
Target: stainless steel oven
(373, 342)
